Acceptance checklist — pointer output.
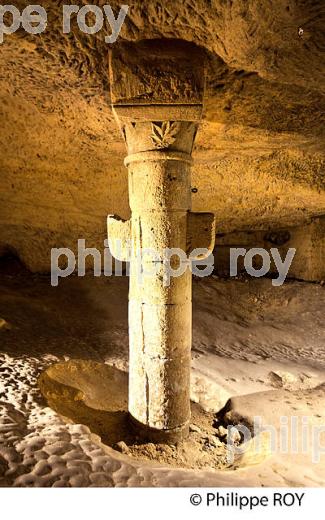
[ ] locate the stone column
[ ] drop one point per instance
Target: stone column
(159, 138)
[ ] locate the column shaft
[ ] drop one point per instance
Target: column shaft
(160, 314)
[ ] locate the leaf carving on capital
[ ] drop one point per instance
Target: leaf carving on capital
(164, 133)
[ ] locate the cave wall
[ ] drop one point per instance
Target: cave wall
(308, 240)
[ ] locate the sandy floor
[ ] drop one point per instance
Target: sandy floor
(249, 338)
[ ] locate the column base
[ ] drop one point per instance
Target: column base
(149, 434)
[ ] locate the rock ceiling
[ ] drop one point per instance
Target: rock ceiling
(259, 152)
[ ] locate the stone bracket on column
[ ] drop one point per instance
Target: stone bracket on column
(119, 237)
(201, 233)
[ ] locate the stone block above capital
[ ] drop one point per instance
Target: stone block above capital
(157, 80)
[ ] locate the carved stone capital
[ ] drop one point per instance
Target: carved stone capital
(147, 136)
